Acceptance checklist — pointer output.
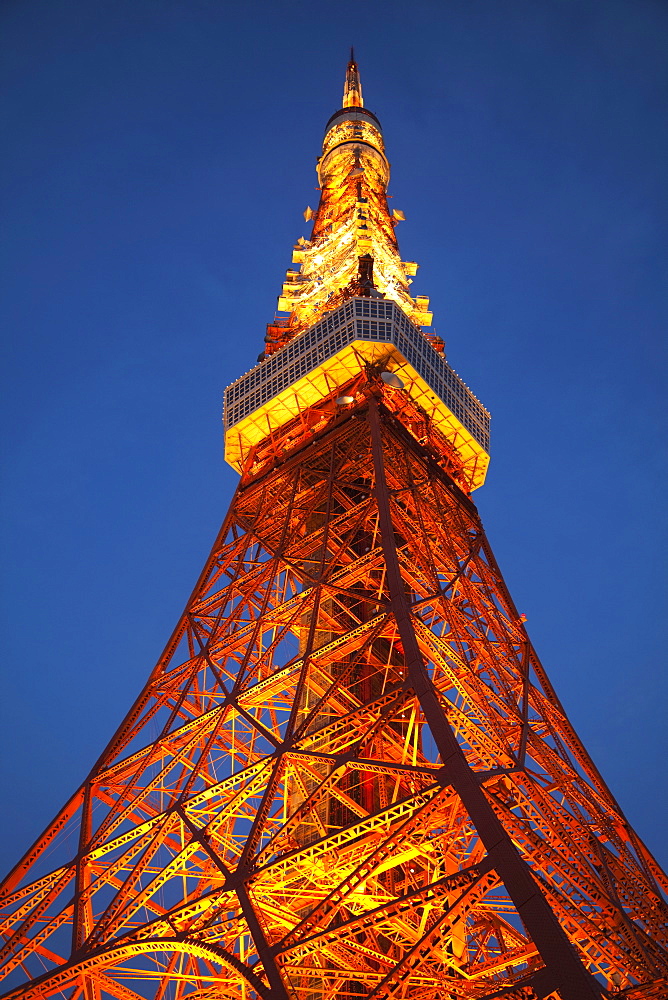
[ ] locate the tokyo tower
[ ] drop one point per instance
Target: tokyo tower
(348, 774)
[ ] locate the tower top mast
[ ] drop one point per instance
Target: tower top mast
(352, 220)
(352, 89)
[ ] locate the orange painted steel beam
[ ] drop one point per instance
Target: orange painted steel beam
(216, 837)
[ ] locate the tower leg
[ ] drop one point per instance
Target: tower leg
(567, 972)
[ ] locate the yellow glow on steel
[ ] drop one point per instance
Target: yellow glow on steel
(335, 372)
(352, 91)
(352, 219)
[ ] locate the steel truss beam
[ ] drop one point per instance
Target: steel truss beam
(348, 774)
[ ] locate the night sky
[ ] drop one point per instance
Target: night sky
(158, 156)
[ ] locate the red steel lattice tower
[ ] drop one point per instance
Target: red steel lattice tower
(348, 774)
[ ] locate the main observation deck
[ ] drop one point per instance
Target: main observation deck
(325, 357)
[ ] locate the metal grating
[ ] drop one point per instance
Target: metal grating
(357, 319)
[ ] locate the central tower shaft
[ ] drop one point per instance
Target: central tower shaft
(352, 221)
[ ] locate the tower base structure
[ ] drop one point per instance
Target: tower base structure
(348, 775)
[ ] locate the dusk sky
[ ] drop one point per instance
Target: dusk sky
(158, 156)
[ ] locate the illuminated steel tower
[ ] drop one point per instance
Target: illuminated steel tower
(348, 774)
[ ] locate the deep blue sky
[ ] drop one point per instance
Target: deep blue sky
(158, 155)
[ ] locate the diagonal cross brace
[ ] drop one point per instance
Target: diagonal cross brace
(559, 956)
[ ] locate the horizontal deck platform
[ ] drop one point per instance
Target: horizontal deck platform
(334, 350)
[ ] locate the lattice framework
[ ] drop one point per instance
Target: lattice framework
(274, 819)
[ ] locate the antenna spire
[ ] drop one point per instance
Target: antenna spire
(352, 90)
